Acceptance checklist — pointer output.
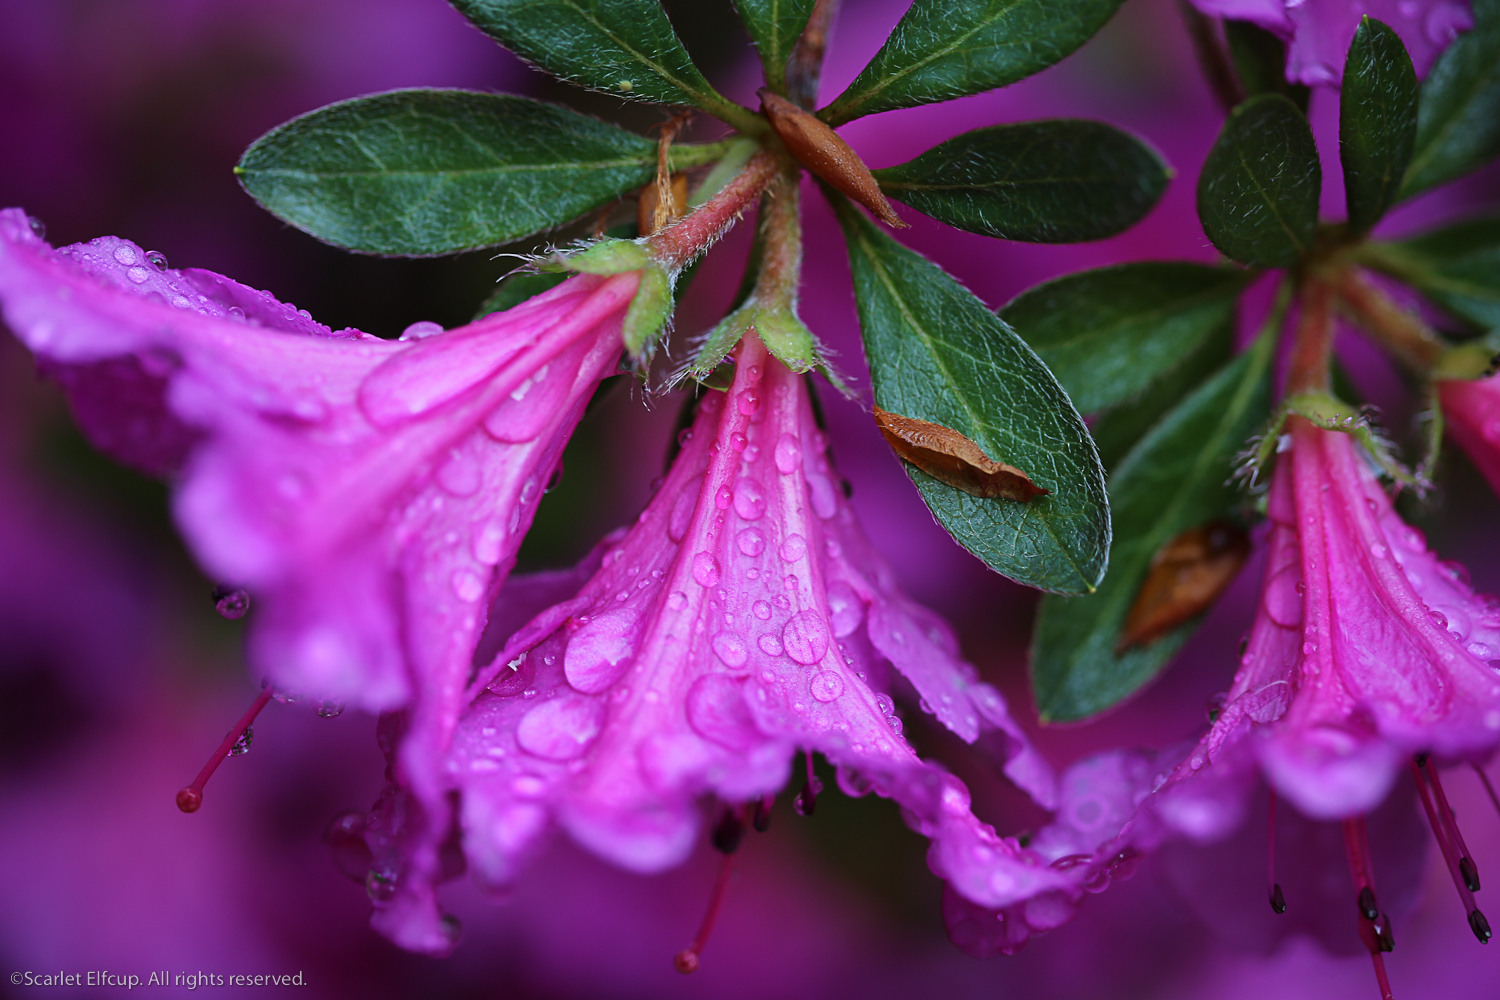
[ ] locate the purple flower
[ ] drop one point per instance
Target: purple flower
(1319, 31)
(370, 494)
(1471, 409)
(743, 617)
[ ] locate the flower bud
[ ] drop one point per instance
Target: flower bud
(820, 149)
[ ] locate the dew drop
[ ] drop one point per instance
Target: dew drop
(770, 645)
(805, 637)
(730, 648)
(676, 600)
(125, 255)
(705, 569)
(749, 499)
(156, 259)
(762, 610)
(794, 548)
(328, 709)
(722, 496)
(231, 602)
(748, 402)
(751, 541)
(467, 586)
(826, 685)
(788, 454)
(486, 543)
(38, 227)
(138, 274)
(738, 441)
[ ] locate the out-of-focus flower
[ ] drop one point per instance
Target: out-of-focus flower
(1319, 31)
(1471, 411)
(742, 618)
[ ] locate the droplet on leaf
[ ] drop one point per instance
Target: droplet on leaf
(947, 456)
(1187, 575)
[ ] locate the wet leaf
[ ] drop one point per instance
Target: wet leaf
(1377, 121)
(947, 456)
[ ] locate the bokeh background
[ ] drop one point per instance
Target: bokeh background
(117, 677)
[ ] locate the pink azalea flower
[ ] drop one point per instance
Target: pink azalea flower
(1471, 409)
(1319, 31)
(370, 494)
(743, 617)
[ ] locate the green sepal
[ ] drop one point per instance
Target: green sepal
(1174, 479)
(1328, 412)
(649, 311)
(784, 335)
(1377, 121)
(606, 256)
(1258, 193)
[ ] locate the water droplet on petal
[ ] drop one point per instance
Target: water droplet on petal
(682, 516)
(460, 475)
(705, 569)
(487, 541)
(1480, 650)
(467, 586)
(38, 227)
(730, 648)
(748, 402)
(676, 600)
(738, 441)
(751, 541)
(826, 685)
(156, 259)
(125, 255)
(770, 645)
(722, 496)
(762, 610)
(1282, 599)
(328, 709)
(805, 637)
(845, 609)
(562, 728)
(788, 454)
(137, 274)
(794, 548)
(749, 499)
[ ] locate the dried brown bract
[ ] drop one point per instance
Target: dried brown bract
(947, 456)
(1187, 575)
(819, 148)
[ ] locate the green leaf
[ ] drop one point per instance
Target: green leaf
(1258, 193)
(1118, 429)
(1458, 117)
(1457, 267)
(942, 49)
(422, 172)
(622, 47)
(774, 27)
(1259, 59)
(938, 354)
(1044, 182)
(1109, 334)
(1173, 480)
(1377, 121)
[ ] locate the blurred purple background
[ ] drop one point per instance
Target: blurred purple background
(117, 677)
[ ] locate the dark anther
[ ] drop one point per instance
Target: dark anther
(1470, 872)
(231, 602)
(1367, 903)
(1480, 926)
(730, 830)
(762, 820)
(1278, 900)
(1421, 759)
(1383, 933)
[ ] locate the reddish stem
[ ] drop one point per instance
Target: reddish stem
(1405, 335)
(191, 797)
(686, 960)
(1312, 350)
(677, 245)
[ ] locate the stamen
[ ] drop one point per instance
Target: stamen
(1374, 926)
(686, 960)
(191, 797)
(1466, 866)
(730, 830)
(807, 799)
(762, 820)
(1278, 900)
(1477, 922)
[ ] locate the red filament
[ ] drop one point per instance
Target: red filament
(191, 797)
(1374, 932)
(1278, 900)
(1449, 848)
(686, 960)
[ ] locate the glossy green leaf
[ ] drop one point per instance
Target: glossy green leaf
(1258, 193)
(774, 27)
(1377, 121)
(1173, 480)
(1457, 267)
(421, 172)
(1117, 429)
(621, 47)
(1458, 116)
(938, 354)
(1109, 334)
(942, 49)
(1259, 59)
(1043, 182)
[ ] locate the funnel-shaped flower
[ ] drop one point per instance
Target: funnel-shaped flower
(1471, 412)
(369, 493)
(1365, 650)
(1319, 31)
(743, 617)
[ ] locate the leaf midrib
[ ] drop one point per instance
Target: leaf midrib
(1419, 161)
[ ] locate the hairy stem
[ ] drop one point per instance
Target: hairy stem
(1404, 334)
(676, 246)
(1312, 348)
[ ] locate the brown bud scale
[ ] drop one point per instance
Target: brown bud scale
(947, 456)
(820, 149)
(1187, 575)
